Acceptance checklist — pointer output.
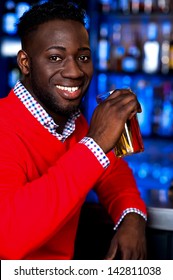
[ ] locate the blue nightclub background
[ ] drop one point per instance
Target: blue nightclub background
(132, 44)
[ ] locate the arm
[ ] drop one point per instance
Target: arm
(118, 192)
(33, 210)
(117, 189)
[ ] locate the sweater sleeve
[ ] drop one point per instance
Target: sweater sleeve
(33, 210)
(117, 190)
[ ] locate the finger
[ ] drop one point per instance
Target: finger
(111, 252)
(110, 94)
(143, 255)
(131, 254)
(126, 106)
(124, 99)
(126, 254)
(120, 92)
(129, 93)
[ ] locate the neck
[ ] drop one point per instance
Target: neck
(58, 118)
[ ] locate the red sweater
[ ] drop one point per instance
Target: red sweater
(44, 182)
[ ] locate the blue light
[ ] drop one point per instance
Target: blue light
(156, 171)
(9, 21)
(102, 83)
(143, 170)
(9, 5)
(166, 175)
(21, 8)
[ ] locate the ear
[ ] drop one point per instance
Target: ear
(23, 62)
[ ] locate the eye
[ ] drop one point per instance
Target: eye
(84, 58)
(55, 58)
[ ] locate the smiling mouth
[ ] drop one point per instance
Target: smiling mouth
(69, 93)
(69, 89)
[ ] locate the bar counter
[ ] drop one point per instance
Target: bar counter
(96, 228)
(160, 223)
(160, 208)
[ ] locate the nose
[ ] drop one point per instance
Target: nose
(72, 70)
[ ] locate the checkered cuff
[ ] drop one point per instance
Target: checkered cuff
(96, 150)
(129, 210)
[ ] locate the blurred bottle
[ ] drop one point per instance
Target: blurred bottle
(164, 6)
(144, 92)
(103, 47)
(141, 6)
(117, 50)
(124, 6)
(165, 47)
(102, 83)
(151, 50)
(171, 53)
(157, 109)
(105, 5)
(166, 122)
(114, 5)
(132, 57)
(135, 5)
(148, 6)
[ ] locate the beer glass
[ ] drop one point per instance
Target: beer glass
(130, 141)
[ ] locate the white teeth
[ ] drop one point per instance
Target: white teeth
(71, 89)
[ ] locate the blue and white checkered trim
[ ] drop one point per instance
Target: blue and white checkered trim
(97, 151)
(130, 210)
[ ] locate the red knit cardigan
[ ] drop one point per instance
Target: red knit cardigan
(44, 182)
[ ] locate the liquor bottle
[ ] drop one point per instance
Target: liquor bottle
(125, 6)
(135, 5)
(131, 59)
(102, 83)
(166, 123)
(114, 6)
(103, 47)
(171, 53)
(151, 50)
(148, 5)
(144, 91)
(105, 5)
(164, 6)
(157, 109)
(165, 47)
(117, 50)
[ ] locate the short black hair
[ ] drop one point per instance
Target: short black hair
(50, 10)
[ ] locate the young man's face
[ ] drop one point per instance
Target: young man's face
(59, 65)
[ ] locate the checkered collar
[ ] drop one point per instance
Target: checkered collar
(42, 116)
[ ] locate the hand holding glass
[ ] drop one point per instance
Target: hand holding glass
(130, 141)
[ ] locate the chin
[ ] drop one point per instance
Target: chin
(66, 111)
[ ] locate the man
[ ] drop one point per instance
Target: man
(50, 159)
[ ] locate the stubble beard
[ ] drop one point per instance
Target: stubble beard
(48, 101)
